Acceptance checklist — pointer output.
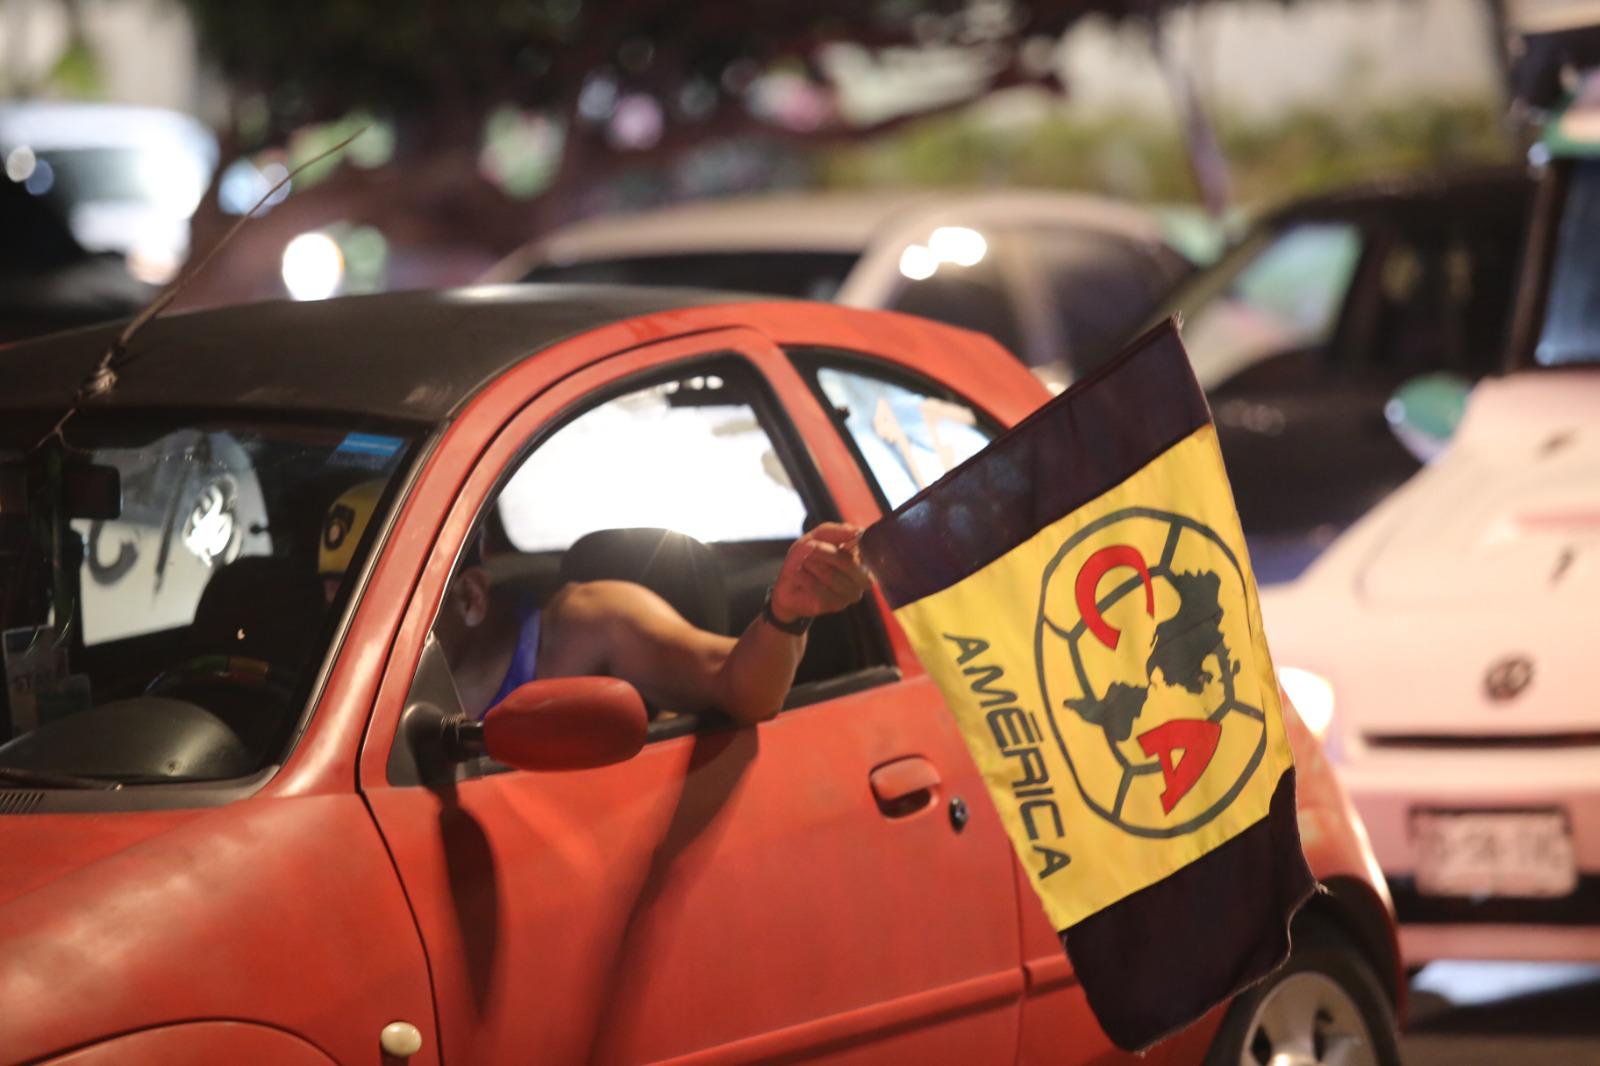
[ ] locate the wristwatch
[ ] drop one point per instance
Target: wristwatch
(796, 628)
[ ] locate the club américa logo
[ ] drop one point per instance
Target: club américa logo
(1143, 617)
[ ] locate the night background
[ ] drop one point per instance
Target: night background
(516, 140)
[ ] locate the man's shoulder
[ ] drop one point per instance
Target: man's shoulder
(597, 601)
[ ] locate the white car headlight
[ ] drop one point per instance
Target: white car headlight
(1312, 695)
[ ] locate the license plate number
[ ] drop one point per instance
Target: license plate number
(1525, 854)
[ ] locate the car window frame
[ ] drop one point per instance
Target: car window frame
(776, 422)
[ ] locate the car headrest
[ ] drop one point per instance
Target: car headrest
(676, 567)
(259, 607)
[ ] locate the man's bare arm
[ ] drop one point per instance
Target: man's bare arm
(627, 631)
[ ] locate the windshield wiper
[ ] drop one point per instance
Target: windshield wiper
(44, 779)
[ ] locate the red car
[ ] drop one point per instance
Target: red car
(242, 821)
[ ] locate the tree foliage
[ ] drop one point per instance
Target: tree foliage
(624, 87)
(435, 63)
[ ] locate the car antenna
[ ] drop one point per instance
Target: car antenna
(103, 378)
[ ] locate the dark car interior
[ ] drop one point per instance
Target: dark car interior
(216, 699)
(158, 667)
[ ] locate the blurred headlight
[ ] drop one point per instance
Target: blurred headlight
(313, 267)
(1312, 695)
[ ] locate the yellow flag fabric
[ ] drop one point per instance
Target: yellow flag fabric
(1081, 594)
(1163, 736)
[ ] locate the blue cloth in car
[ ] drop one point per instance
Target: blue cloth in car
(524, 660)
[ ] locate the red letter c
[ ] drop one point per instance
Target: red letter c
(1088, 584)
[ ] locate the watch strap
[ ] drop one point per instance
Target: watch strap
(796, 628)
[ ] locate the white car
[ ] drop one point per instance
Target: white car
(1448, 646)
(126, 179)
(1060, 279)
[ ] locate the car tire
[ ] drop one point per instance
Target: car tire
(1324, 1006)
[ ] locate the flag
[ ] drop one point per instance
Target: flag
(1080, 593)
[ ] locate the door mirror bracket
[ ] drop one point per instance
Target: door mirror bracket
(433, 746)
(421, 753)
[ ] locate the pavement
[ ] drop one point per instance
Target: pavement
(1504, 1014)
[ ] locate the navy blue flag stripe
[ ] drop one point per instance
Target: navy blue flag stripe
(1146, 978)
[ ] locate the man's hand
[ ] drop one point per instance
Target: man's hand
(821, 574)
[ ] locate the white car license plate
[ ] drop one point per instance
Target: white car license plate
(1494, 853)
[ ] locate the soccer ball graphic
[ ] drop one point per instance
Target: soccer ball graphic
(1144, 619)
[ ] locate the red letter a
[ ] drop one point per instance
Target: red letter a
(1196, 738)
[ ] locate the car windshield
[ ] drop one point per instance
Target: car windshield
(1278, 291)
(804, 275)
(1571, 333)
(169, 586)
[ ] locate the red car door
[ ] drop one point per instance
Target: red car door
(830, 884)
(902, 430)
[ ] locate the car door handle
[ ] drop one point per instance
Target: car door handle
(904, 786)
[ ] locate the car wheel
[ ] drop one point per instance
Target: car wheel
(1324, 1007)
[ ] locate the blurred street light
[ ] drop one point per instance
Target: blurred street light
(244, 184)
(918, 262)
(959, 245)
(313, 267)
(20, 163)
(636, 122)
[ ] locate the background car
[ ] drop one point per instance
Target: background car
(1304, 330)
(48, 282)
(1060, 279)
(314, 849)
(1443, 645)
(1300, 333)
(125, 179)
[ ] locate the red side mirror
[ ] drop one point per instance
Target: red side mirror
(566, 723)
